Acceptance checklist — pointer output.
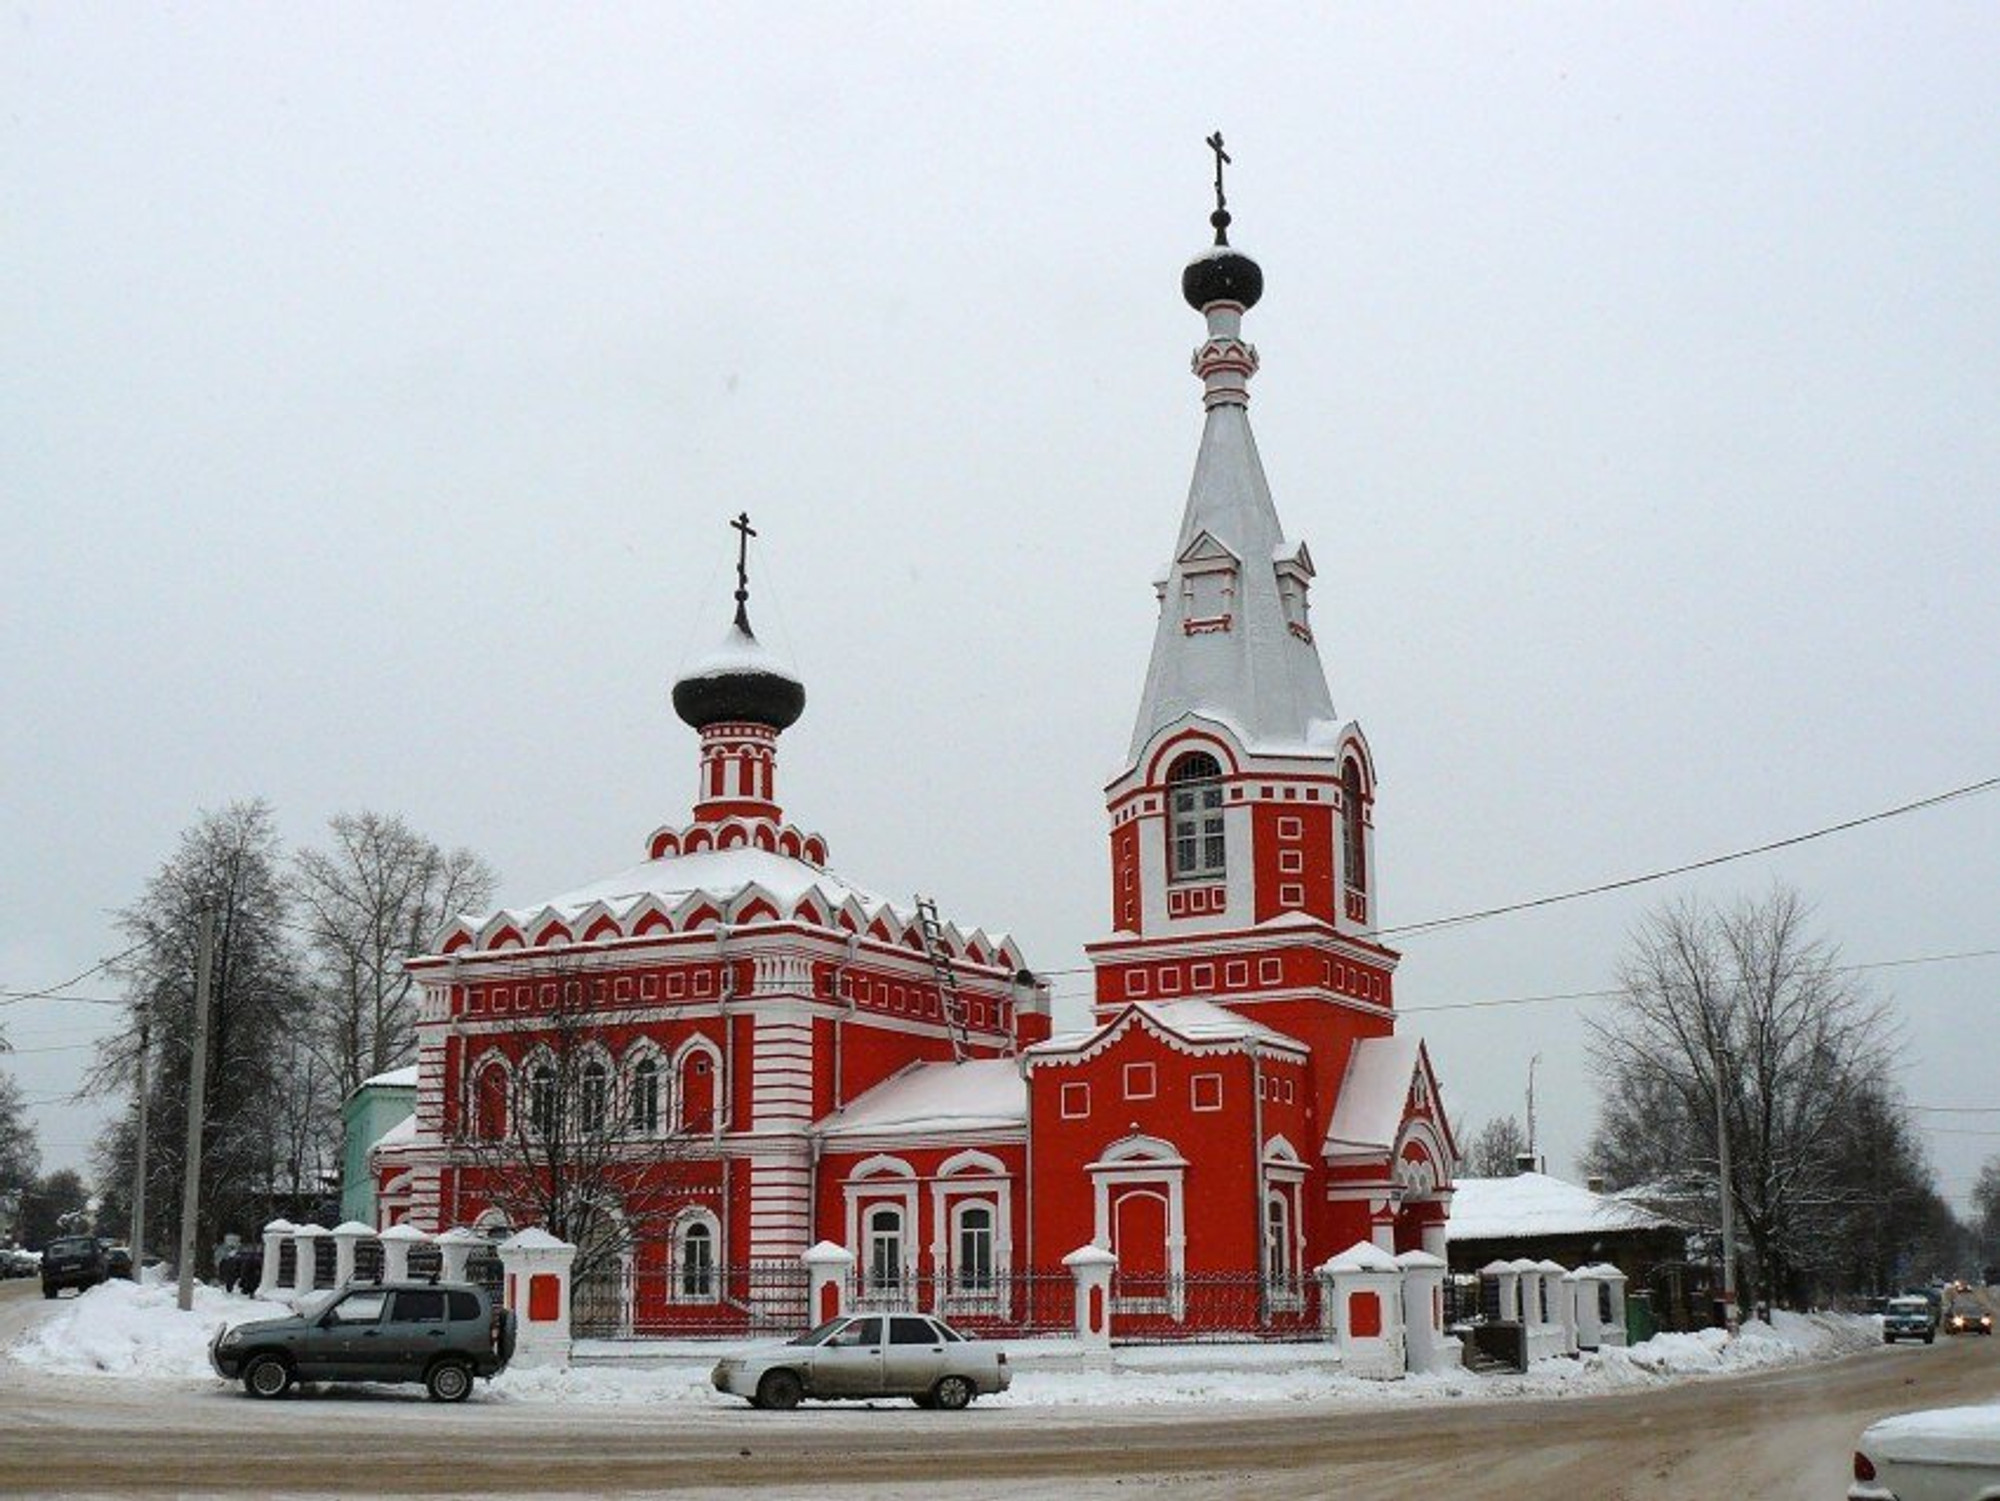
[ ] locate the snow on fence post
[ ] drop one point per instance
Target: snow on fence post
(346, 1237)
(275, 1235)
(305, 1260)
(1505, 1283)
(1091, 1265)
(1600, 1306)
(1429, 1348)
(396, 1243)
(455, 1248)
(830, 1273)
(536, 1267)
(1548, 1311)
(1368, 1286)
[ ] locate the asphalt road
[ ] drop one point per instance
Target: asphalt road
(1773, 1437)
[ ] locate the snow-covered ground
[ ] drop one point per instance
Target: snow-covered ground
(125, 1331)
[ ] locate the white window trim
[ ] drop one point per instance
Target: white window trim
(683, 1223)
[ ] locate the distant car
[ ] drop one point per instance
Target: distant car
(117, 1259)
(1968, 1318)
(15, 1262)
(1909, 1317)
(76, 1261)
(868, 1355)
(1948, 1454)
(443, 1334)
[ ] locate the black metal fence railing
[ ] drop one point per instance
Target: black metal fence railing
(426, 1260)
(1213, 1306)
(326, 1261)
(368, 1260)
(1463, 1301)
(1040, 1300)
(614, 1301)
(288, 1262)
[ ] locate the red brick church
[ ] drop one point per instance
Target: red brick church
(784, 1058)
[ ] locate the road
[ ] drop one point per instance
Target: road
(1773, 1437)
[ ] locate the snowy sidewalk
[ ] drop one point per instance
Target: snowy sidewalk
(118, 1330)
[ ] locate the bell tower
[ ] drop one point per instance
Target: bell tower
(1242, 828)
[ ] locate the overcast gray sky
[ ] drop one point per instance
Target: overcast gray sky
(377, 380)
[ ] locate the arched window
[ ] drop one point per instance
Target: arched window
(1194, 839)
(972, 1265)
(542, 1100)
(694, 1262)
(644, 1106)
(489, 1101)
(593, 1097)
(1277, 1239)
(697, 1091)
(885, 1251)
(1353, 833)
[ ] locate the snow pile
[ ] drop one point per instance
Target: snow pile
(1788, 1339)
(125, 1330)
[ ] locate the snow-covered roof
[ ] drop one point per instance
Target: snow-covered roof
(1197, 1022)
(1528, 1205)
(1257, 675)
(404, 1130)
(1362, 1256)
(979, 1095)
(714, 874)
(1369, 1113)
(738, 652)
(395, 1078)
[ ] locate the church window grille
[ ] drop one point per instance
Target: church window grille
(645, 1103)
(1353, 833)
(593, 1097)
(1196, 843)
(973, 1271)
(885, 1251)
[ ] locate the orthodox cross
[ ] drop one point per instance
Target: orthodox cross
(1221, 156)
(745, 531)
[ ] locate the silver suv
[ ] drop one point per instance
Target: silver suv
(440, 1333)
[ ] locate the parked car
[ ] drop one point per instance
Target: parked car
(1948, 1454)
(76, 1261)
(440, 1333)
(1968, 1318)
(868, 1355)
(1909, 1317)
(117, 1259)
(15, 1262)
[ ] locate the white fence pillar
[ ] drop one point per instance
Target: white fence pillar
(1429, 1348)
(455, 1248)
(1366, 1286)
(346, 1237)
(830, 1272)
(537, 1286)
(1092, 1266)
(396, 1243)
(1601, 1305)
(305, 1259)
(275, 1235)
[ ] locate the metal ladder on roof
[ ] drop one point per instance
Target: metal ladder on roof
(949, 998)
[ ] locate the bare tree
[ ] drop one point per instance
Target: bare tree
(374, 897)
(1747, 1002)
(229, 863)
(1495, 1151)
(557, 1139)
(1986, 1208)
(20, 1153)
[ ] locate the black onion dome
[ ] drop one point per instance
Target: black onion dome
(1222, 274)
(739, 683)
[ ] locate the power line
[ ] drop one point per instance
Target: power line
(1971, 789)
(50, 993)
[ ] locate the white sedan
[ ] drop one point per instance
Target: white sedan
(868, 1355)
(1948, 1454)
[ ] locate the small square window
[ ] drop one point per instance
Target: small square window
(704, 982)
(1170, 980)
(621, 989)
(1287, 1096)
(1236, 972)
(1075, 1101)
(548, 995)
(1269, 971)
(1291, 828)
(1291, 894)
(1291, 862)
(1141, 1081)
(1138, 982)
(676, 985)
(1205, 1091)
(1312, 794)
(1291, 794)
(649, 987)
(1202, 976)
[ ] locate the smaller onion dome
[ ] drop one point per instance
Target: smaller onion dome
(739, 682)
(1222, 274)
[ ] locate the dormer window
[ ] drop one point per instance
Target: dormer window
(1208, 585)
(1295, 572)
(1195, 845)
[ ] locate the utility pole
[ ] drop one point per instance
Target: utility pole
(137, 1240)
(1534, 1162)
(1725, 1193)
(197, 1103)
